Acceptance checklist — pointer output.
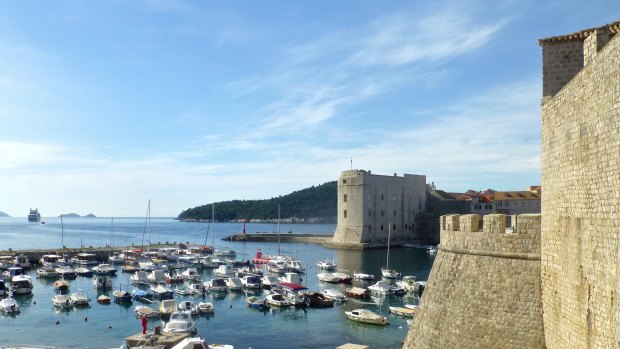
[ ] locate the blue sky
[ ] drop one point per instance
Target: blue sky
(104, 105)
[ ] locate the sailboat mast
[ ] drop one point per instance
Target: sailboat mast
(62, 232)
(278, 229)
(213, 226)
(387, 261)
(148, 226)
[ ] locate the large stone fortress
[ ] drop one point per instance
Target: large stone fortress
(480, 282)
(370, 206)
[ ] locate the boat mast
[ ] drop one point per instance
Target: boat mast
(213, 226)
(387, 262)
(278, 229)
(111, 236)
(62, 232)
(148, 212)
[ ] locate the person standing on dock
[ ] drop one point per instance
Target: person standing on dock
(144, 324)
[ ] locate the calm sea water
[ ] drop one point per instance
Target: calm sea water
(233, 322)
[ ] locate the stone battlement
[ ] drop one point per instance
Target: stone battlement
(488, 235)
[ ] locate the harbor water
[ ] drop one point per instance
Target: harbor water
(104, 326)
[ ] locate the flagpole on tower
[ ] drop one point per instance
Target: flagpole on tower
(351, 163)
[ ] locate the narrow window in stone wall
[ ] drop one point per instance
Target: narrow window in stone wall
(345, 213)
(381, 227)
(394, 227)
(344, 181)
(405, 226)
(369, 213)
(381, 213)
(345, 198)
(369, 228)
(531, 204)
(394, 213)
(381, 197)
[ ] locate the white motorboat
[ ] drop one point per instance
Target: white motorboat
(52, 260)
(251, 281)
(104, 269)
(390, 273)
(225, 270)
(85, 259)
(139, 278)
(62, 301)
(403, 311)
(162, 292)
(328, 277)
(167, 306)
(382, 288)
(80, 298)
(196, 288)
(334, 295)
(407, 283)
(21, 284)
(9, 306)
(326, 264)
(295, 266)
(117, 258)
(188, 306)
(205, 307)
(180, 322)
(83, 271)
(157, 277)
(146, 265)
(102, 281)
(143, 310)
(22, 261)
(225, 252)
(216, 285)
(122, 296)
(278, 300)
(191, 274)
(48, 273)
(362, 276)
(268, 280)
(257, 303)
(66, 271)
(192, 343)
(366, 316)
(182, 290)
(234, 284)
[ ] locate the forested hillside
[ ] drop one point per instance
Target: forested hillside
(316, 204)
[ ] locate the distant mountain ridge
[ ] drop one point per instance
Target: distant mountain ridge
(316, 204)
(2, 214)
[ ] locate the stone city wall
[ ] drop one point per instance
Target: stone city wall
(484, 290)
(581, 202)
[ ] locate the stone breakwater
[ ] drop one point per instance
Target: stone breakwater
(484, 290)
(309, 238)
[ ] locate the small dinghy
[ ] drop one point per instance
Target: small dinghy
(142, 310)
(62, 301)
(103, 299)
(366, 316)
(205, 308)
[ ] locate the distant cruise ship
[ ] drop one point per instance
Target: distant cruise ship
(34, 215)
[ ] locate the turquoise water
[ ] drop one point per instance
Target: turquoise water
(233, 322)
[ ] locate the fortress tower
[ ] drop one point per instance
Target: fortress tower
(371, 206)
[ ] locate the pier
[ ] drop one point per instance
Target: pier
(270, 237)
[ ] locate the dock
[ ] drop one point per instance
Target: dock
(270, 237)
(150, 339)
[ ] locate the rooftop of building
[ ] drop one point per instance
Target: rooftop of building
(613, 29)
(516, 195)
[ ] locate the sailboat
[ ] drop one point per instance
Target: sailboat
(387, 272)
(224, 254)
(147, 264)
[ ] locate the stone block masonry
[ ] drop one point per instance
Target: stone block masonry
(581, 199)
(484, 290)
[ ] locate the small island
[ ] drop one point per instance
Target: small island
(75, 215)
(2, 214)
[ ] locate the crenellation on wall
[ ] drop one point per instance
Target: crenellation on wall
(463, 233)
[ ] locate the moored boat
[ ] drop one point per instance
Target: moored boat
(205, 307)
(48, 272)
(61, 285)
(167, 306)
(143, 310)
(319, 300)
(103, 299)
(366, 316)
(278, 300)
(403, 311)
(9, 305)
(62, 301)
(255, 302)
(357, 292)
(188, 306)
(80, 298)
(362, 276)
(336, 295)
(326, 264)
(180, 321)
(21, 284)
